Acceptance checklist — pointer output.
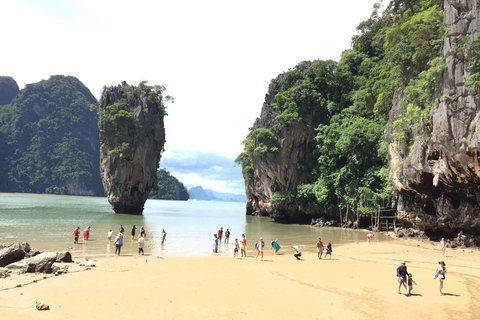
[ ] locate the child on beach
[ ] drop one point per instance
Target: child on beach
(141, 245)
(443, 246)
(76, 234)
(243, 245)
(109, 236)
(329, 250)
(369, 237)
(235, 251)
(410, 283)
(215, 243)
(260, 245)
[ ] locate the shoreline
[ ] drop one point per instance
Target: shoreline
(359, 282)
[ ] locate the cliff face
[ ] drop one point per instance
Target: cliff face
(132, 136)
(438, 180)
(278, 170)
(50, 139)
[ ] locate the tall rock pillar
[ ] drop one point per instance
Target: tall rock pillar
(132, 136)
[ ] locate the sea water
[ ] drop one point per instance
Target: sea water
(47, 222)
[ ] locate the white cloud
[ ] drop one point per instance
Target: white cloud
(216, 58)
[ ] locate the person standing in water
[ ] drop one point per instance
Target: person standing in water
(76, 235)
(215, 243)
(133, 232)
(219, 235)
(118, 243)
(235, 251)
(109, 236)
(227, 236)
(141, 245)
(163, 237)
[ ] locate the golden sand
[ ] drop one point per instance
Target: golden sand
(358, 283)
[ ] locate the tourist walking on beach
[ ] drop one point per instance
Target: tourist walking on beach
(439, 275)
(235, 251)
(76, 234)
(215, 243)
(297, 253)
(243, 246)
(443, 246)
(227, 236)
(133, 232)
(220, 234)
(164, 236)
(109, 236)
(369, 237)
(329, 250)
(410, 283)
(260, 244)
(118, 243)
(319, 248)
(402, 276)
(141, 245)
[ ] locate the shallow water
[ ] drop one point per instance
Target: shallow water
(47, 223)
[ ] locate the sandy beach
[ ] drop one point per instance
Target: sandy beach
(358, 283)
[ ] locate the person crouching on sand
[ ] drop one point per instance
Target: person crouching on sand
(297, 253)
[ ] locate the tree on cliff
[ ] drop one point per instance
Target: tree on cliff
(51, 139)
(345, 165)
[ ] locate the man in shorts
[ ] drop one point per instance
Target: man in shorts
(319, 248)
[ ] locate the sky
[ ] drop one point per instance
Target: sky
(216, 58)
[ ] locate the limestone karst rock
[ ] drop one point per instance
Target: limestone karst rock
(437, 179)
(132, 136)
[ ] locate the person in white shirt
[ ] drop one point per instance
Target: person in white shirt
(298, 253)
(141, 245)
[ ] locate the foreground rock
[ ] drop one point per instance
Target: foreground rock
(41, 263)
(132, 136)
(13, 253)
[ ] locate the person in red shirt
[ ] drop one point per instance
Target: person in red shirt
(220, 234)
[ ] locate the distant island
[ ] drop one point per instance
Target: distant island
(198, 193)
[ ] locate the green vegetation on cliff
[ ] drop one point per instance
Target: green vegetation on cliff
(50, 140)
(396, 51)
(169, 188)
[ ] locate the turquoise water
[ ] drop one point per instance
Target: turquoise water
(47, 223)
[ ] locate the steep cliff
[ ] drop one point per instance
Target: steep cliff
(280, 148)
(436, 174)
(51, 140)
(132, 136)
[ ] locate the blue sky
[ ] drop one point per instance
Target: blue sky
(215, 57)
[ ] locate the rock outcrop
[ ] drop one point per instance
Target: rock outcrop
(277, 171)
(8, 89)
(438, 179)
(132, 136)
(41, 263)
(13, 253)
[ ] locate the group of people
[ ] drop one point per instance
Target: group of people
(76, 234)
(406, 279)
(217, 238)
(118, 241)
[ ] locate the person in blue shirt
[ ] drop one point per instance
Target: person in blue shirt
(402, 276)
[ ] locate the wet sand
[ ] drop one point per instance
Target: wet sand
(358, 283)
